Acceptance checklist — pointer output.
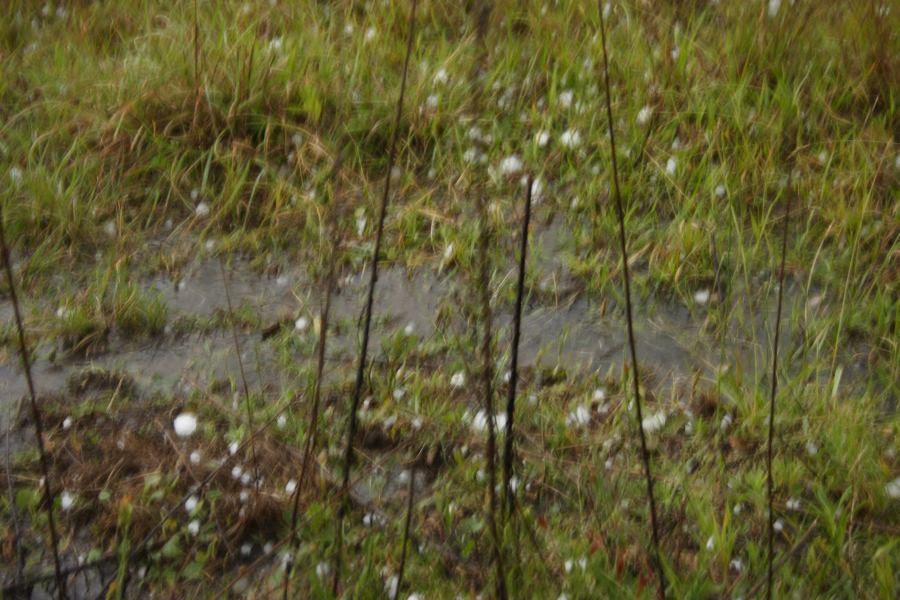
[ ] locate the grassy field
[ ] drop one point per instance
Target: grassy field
(144, 143)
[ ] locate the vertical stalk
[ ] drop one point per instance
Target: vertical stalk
(769, 481)
(410, 502)
(509, 448)
(49, 496)
(344, 498)
(620, 212)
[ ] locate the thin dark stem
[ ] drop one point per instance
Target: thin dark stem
(769, 481)
(246, 388)
(509, 448)
(620, 212)
(410, 502)
(313, 426)
(49, 496)
(370, 298)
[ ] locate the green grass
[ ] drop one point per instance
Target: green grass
(111, 138)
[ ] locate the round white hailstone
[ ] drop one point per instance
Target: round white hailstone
(727, 420)
(390, 586)
(720, 191)
(415, 596)
(441, 76)
(793, 504)
(281, 421)
(432, 102)
(565, 98)
(579, 417)
(110, 228)
(778, 525)
(244, 496)
(599, 395)
(370, 34)
(210, 245)
(66, 501)
(290, 487)
(195, 193)
(675, 53)
(202, 209)
(15, 174)
(410, 328)
(190, 505)
(671, 166)
(655, 422)
(403, 477)
(323, 569)
(348, 29)
(737, 564)
(182, 285)
(737, 509)
(458, 379)
(246, 549)
(609, 463)
(233, 448)
(245, 479)
(689, 428)
(185, 424)
(281, 280)
(395, 173)
(236, 472)
(448, 251)
(811, 448)
(479, 423)
(297, 139)
(542, 137)
(711, 543)
(568, 565)
(500, 421)
(510, 165)
(507, 376)
(268, 548)
(286, 559)
(417, 423)
(532, 399)
(470, 155)
(562, 597)
(892, 489)
(643, 116)
(701, 297)
(301, 324)
(570, 138)
(195, 457)
(194, 527)
(67, 423)
(774, 7)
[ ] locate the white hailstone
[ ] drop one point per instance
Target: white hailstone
(711, 543)
(431, 102)
(689, 428)
(202, 209)
(282, 280)
(441, 76)
(15, 174)
(415, 596)
(275, 44)
(737, 509)
(268, 548)
(390, 586)
(897, 162)
(823, 157)
(372, 520)
(458, 379)
(210, 245)
(778, 525)
(67, 423)
(301, 324)
(195, 457)
(542, 137)
(599, 395)
(417, 423)
(190, 505)
(568, 565)
(737, 564)
(701, 297)
(579, 417)
(565, 98)
(720, 191)
(609, 463)
(395, 173)
(500, 421)
(643, 116)
(671, 166)
(654, 423)
(245, 479)
(474, 133)
(185, 425)
(409, 329)
(675, 53)
(403, 477)
(246, 549)
(479, 423)
(323, 569)
(236, 472)
(448, 251)
(892, 489)
(66, 501)
(281, 421)
(290, 487)
(195, 193)
(532, 399)
(233, 448)
(510, 165)
(774, 7)
(348, 29)
(398, 393)
(169, 224)
(562, 597)
(537, 189)
(109, 228)
(507, 376)
(194, 527)
(811, 448)
(570, 138)
(287, 558)
(727, 420)
(470, 155)
(297, 139)
(244, 496)
(370, 34)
